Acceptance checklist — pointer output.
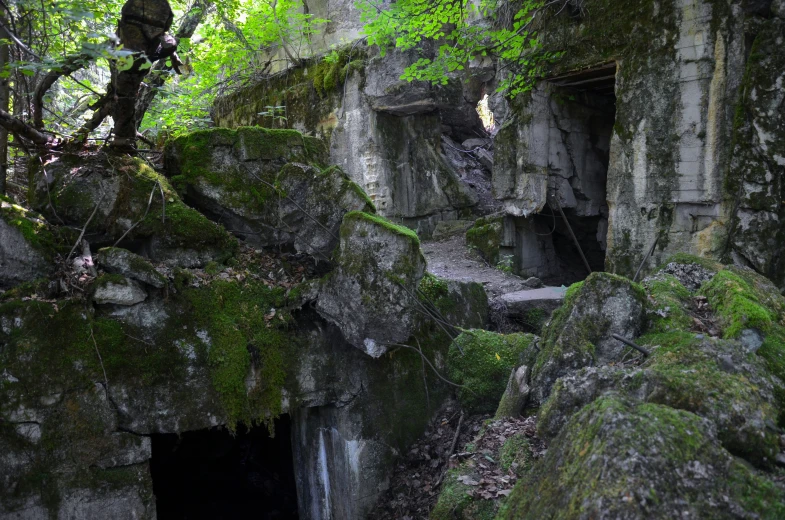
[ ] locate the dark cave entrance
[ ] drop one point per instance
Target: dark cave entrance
(585, 121)
(210, 474)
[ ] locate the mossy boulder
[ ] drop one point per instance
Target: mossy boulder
(580, 331)
(481, 361)
(121, 261)
(486, 237)
(463, 304)
(620, 459)
(269, 187)
(371, 294)
(132, 201)
(27, 245)
(715, 379)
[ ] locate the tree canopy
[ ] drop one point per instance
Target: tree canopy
(77, 71)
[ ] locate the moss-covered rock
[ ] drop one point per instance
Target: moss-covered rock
(619, 459)
(27, 245)
(371, 294)
(579, 333)
(481, 361)
(486, 237)
(130, 199)
(268, 186)
(117, 290)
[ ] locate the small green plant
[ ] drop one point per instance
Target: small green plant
(276, 113)
(505, 263)
(332, 57)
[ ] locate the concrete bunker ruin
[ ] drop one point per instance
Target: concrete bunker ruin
(568, 147)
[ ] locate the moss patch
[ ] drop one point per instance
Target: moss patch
(246, 326)
(486, 237)
(485, 365)
(377, 219)
(36, 232)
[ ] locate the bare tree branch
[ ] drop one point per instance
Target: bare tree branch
(70, 65)
(22, 129)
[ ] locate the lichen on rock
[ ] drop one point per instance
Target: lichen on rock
(623, 459)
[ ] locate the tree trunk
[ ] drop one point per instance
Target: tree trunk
(4, 97)
(157, 78)
(142, 28)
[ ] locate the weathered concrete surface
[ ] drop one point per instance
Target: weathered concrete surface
(532, 304)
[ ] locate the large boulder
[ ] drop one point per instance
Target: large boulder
(715, 379)
(620, 459)
(580, 332)
(128, 200)
(267, 186)
(27, 245)
(371, 294)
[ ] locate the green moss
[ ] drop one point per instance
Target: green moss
(434, 290)
(484, 366)
(691, 379)
(740, 304)
(33, 228)
(245, 324)
(455, 502)
(486, 237)
(668, 300)
(377, 219)
(558, 339)
(516, 449)
(588, 468)
(39, 287)
(212, 268)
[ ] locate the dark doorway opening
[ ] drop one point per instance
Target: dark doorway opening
(585, 118)
(211, 474)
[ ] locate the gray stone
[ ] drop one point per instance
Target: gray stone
(371, 294)
(724, 370)
(633, 461)
(580, 334)
(118, 292)
(22, 260)
(531, 307)
(751, 339)
(691, 276)
(121, 261)
(472, 144)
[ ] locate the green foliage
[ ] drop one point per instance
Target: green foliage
(227, 50)
(484, 366)
(452, 28)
